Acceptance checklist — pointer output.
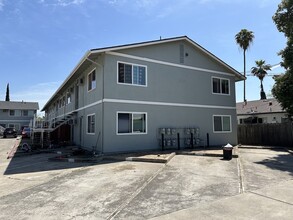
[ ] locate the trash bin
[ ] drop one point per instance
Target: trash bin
(227, 152)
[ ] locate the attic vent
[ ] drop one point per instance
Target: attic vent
(181, 53)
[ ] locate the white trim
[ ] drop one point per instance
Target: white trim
(146, 103)
(87, 124)
(79, 109)
(167, 63)
(132, 64)
(166, 104)
(229, 85)
(106, 50)
(222, 124)
(135, 45)
(28, 120)
(132, 113)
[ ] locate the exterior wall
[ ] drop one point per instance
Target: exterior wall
(81, 137)
(168, 84)
(171, 86)
(171, 52)
(84, 104)
(163, 117)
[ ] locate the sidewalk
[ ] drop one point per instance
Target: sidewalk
(272, 202)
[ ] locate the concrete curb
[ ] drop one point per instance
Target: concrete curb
(65, 158)
(205, 154)
(14, 149)
(151, 160)
(260, 147)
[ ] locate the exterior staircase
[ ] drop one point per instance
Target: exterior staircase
(42, 129)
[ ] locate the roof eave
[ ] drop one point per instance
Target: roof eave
(238, 75)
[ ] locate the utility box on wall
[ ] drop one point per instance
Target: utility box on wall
(179, 137)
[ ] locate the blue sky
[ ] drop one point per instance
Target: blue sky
(41, 41)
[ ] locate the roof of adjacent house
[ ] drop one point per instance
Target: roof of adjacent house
(259, 107)
(92, 52)
(19, 105)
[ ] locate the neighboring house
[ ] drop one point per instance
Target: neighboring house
(260, 111)
(118, 98)
(17, 114)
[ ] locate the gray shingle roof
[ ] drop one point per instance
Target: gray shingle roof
(259, 107)
(19, 105)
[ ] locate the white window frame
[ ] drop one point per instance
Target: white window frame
(132, 64)
(87, 80)
(132, 133)
(221, 78)
(222, 124)
(87, 124)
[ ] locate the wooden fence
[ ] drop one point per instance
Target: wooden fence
(280, 134)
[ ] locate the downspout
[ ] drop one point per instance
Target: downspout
(103, 107)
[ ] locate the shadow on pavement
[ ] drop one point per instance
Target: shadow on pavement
(282, 161)
(39, 161)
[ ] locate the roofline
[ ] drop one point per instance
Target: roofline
(142, 44)
(148, 43)
(260, 113)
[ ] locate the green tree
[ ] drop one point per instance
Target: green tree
(283, 88)
(283, 91)
(244, 39)
(260, 71)
(7, 98)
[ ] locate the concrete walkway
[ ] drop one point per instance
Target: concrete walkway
(273, 202)
(255, 185)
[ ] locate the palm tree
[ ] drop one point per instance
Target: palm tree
(244, 38)
(260, 71)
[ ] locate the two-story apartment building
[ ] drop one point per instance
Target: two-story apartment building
(117, 98)
(17, 114)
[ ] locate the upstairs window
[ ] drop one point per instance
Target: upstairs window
(221, 86)
(132, 74)
(92, 80)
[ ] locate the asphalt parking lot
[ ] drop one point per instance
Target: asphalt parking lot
(256, 185)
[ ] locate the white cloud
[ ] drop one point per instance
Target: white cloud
(155, 8)
(70, 2)
(257, 3)
(62, 3)
(1, 4)
(40, 93)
